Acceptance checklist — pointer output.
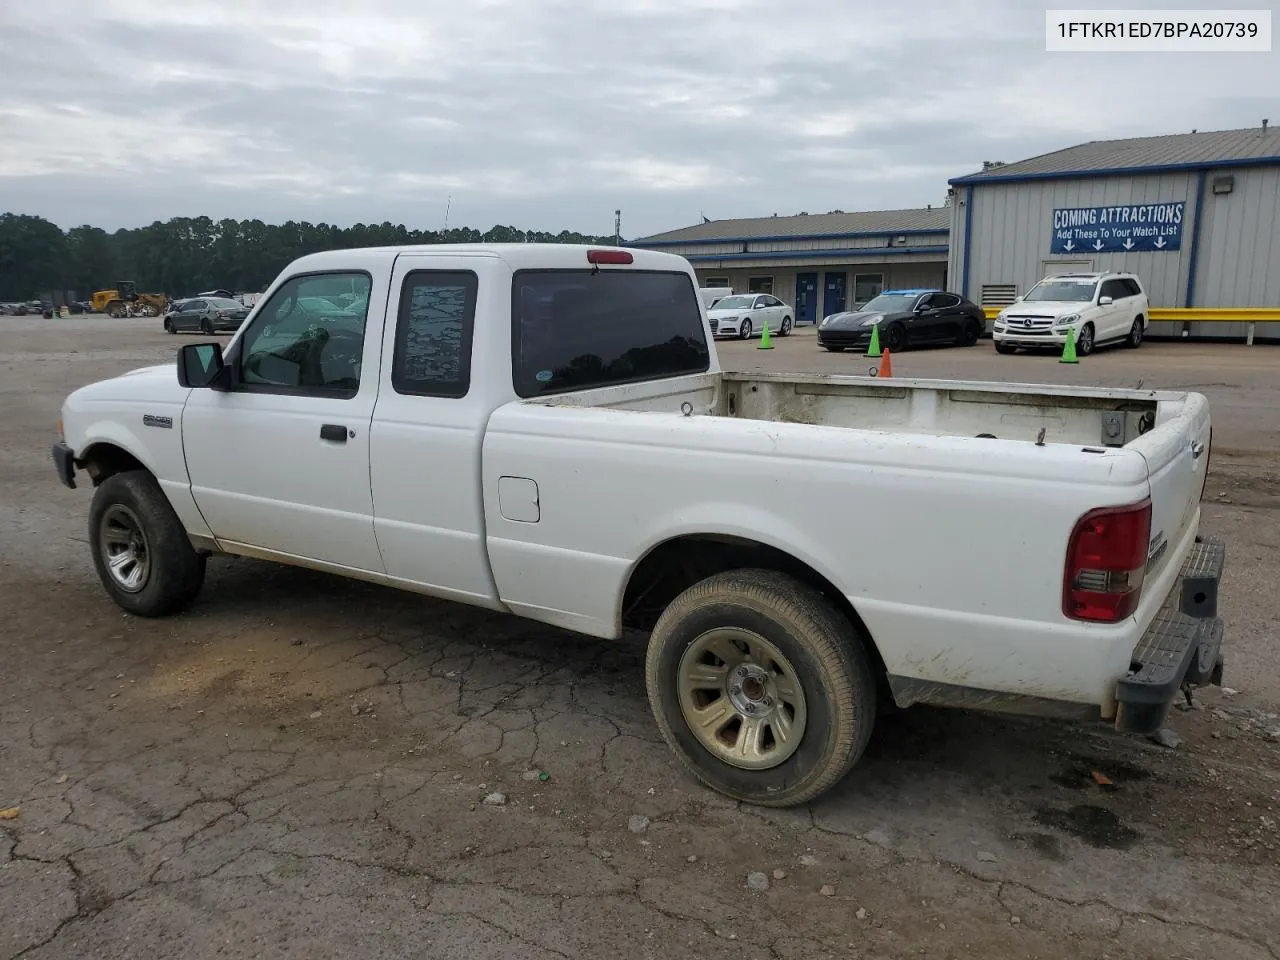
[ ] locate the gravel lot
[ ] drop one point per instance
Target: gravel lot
(299, 766)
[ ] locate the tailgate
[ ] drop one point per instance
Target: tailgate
(1177, 455)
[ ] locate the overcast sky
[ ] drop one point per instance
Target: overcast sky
(548, 114)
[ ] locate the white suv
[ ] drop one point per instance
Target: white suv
(1099, 307)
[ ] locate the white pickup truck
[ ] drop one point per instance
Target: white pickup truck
(545, 430)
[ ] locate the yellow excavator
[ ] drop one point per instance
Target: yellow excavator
(124, 300)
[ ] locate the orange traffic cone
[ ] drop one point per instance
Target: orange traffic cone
(886, 365)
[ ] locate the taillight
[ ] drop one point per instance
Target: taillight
(609, 256)
(1106, 563)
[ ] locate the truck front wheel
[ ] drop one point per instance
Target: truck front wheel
(763, 689)
(143, 555)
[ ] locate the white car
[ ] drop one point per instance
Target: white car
(1098, 307)
(545, 430)
(745, 315)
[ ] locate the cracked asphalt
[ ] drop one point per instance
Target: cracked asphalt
(298, 767)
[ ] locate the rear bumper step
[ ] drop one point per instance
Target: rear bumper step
(1182, 645)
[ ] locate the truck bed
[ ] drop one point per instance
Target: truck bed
(1076, 416)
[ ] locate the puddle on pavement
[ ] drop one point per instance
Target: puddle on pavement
(1096, 826)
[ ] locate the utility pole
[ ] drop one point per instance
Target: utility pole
(447, 207)
(617, 228)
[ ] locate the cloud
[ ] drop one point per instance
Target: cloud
(552, 114)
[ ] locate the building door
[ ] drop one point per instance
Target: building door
(834, 300)
(806, 297)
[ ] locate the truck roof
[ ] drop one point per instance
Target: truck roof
(519, 255)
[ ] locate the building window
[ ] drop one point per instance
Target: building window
(867, 286)
(716, 282)
(760, 285)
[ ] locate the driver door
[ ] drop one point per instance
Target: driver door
(279, 462)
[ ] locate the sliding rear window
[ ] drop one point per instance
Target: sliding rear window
(573, 330)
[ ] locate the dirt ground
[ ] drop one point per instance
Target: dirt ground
(298, 767)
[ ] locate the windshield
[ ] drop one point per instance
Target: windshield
(1063, 290)
(891, 303)
(734, 303)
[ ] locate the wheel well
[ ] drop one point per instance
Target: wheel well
(103, 460)
(672, 567)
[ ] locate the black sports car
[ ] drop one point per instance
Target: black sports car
(905, 317)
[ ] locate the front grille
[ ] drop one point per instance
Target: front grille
(1016, 324)
(842, 336)
(715, 325)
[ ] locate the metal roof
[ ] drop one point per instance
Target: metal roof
(1232, 148)
(865, 223)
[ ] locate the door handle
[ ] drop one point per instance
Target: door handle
(334, 432)
(1197, 448)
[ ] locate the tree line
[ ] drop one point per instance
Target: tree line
(185, 255)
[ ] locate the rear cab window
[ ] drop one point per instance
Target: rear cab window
(574, 329)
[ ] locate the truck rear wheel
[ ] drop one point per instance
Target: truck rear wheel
(763, 689)
(140, 549)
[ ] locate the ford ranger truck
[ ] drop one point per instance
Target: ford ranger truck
(546, 431)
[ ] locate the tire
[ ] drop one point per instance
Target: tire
(1085, 342)
(785, 329)
(1005, 347)
(895, 338)
(833, 348)
(206, 327)
(168, 327)
(171, 572)
(744, 331)
(971, 335)
(821, 651)
(1134, 340)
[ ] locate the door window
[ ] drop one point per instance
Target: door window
(433, 334)
(1115, 289)
(309, 337)
(944, 301)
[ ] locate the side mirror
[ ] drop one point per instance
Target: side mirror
(200, 365)
(1103, 301)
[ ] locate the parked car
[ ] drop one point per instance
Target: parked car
(545, 430)
(905, 318)
(205, 314)
(1097, 307)
(744, 315)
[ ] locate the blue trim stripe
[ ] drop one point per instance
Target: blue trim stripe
(975, 178)
(870, 254)
(1194, 256)
(968, 241)
(804, 238)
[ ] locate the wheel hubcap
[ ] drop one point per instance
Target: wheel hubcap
(741, 698)
(125, 549)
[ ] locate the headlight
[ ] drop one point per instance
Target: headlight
(871, 321)
(824, 321)
(1068, 319)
